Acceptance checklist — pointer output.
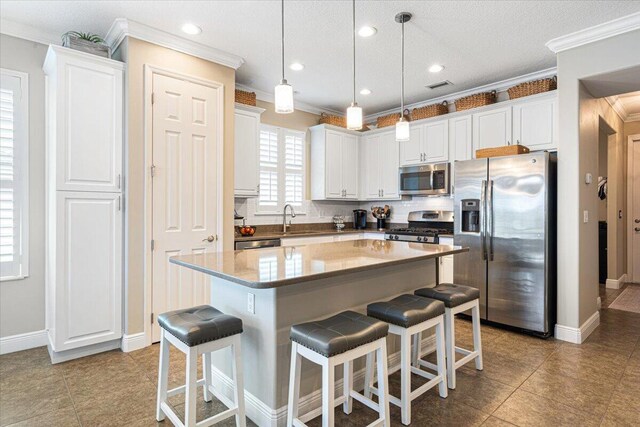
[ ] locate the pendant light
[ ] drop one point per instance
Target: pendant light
(402, 126)
(283, 92)
(354, 112)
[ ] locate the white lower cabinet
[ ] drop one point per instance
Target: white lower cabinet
(446, 262)
(85, 269)
(374, 236)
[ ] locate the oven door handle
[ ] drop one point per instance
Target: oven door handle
(483, 220)
(431, 179)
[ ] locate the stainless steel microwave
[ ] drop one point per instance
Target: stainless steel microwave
(425, 180)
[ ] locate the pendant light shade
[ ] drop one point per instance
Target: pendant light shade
(284, 98)
(403, 131)
(354, 117)
(283, 93)
(354, 112)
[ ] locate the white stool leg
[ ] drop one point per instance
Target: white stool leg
(238, 391)
(191, 388)
(206, 370)
(415, 350)
(294, 384)
(477, 340)
(163, 375)
(450, 343)
(368, 375)
(328, 393)
(442, 371)
(383, 384)
(347, 386)
(405, 377)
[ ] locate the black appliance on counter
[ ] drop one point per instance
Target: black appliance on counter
(359, 219)
(424, 227)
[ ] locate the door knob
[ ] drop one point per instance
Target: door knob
(637, 221)
(637, 230)
(209, 239)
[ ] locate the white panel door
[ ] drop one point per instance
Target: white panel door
(333, 166)
(634, 178)
(535, 124)
(389, 162)
(436, 141)
(247, 131)
(90, 127)
(88, 306)
(460, 138)
(492, 128)
(411, 151)
(185, 141)
(350, 166)
(370, 175)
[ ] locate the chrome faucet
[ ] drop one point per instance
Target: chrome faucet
(284, 217)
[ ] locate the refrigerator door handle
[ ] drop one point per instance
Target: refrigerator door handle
(490, 218)
(483, 220)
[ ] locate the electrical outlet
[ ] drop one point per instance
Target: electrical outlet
(251, 303)
(585, 216)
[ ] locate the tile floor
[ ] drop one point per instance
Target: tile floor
(526, 381)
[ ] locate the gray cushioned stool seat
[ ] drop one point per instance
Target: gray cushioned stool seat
(340, 333)
(406, 310)
(198, 325)
(451, 295)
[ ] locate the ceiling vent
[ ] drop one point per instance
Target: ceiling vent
(439, 84)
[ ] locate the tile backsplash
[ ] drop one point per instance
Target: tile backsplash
(323, 211)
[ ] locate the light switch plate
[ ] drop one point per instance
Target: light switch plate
(585, 217)
(251, 303)
(588, 179)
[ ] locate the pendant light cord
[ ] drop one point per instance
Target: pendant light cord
(402, 77)
(282, 38)
(354, 51)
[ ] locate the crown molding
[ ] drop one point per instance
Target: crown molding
(298, 105)
(618, 106)
(500, 86)
(595, 33)
(123, 27)
(27, 32)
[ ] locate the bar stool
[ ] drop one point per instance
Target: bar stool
(408, 315)
(456, 299)
(334, 341)
(195, 331)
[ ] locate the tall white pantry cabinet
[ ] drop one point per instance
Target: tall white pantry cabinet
(84, 170)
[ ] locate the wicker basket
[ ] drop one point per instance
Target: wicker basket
(330, 119)
(244, 97)
(476, 100)
(430, 111)
(507, 150)
(533, 87)
(391, 119)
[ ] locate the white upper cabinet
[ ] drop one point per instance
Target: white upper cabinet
(334, 163)
(492, 128)
(428, 143)
(460, 143)
(535, 124)
(379, 167)
(247, 135)
(86, 92)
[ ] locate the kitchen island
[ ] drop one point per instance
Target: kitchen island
(273, 288)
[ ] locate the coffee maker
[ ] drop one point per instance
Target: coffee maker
(359, 219)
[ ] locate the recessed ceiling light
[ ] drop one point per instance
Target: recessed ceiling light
(296, 66)
(191, 29)
(365, 92)
(436, 68)
(367, 31)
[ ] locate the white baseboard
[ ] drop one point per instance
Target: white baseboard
(20, 342)
(265, 416)
(133, 342)
(76, 353)
(616, 283)
(578, 335)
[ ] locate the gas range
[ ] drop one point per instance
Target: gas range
(424, 227)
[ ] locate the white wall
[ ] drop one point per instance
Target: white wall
(577, 155)
(22, 302)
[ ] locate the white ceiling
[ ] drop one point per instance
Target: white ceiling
(478, 42)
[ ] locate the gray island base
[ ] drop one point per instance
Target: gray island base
(291, 285)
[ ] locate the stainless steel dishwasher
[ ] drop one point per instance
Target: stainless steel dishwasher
(257, 244)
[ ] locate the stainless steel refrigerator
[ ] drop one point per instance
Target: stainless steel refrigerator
(505, 212)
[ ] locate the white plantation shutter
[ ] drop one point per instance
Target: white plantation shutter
(282, 168)
(13, 175)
